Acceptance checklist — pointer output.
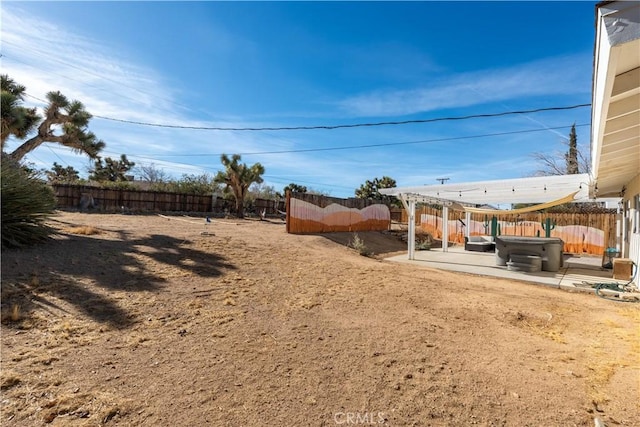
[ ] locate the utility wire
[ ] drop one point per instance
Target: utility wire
(359, 125)
(286, 128)
(342, 126)
(386, 144)
(351, 147)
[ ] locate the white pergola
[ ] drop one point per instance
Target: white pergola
(543, 189)
(615, 141)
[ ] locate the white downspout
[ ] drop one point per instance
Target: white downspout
(618, 228)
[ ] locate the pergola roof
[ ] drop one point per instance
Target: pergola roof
(615, 130)
(538, 189)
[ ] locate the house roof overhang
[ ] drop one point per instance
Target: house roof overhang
(615, 130)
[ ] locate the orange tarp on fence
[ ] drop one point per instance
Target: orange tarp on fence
(588, 233)
(325, 215)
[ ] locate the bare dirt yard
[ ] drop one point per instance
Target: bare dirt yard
(143, 320)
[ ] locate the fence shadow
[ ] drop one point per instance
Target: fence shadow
(81, 270)
(376, 242)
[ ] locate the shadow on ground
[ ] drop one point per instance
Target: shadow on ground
(82, 270)
(377, 242)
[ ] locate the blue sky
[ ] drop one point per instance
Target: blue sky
(288, 64)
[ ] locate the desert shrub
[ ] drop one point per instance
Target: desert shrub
(358, 244)
(423, 246)
(189, 184)
(115, 185)
(423, 242)
(26, 203)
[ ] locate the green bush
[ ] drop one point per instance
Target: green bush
(26, 203)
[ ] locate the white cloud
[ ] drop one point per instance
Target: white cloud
(551, 76)
(45, 57)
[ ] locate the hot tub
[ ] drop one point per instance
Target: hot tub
(550, 249)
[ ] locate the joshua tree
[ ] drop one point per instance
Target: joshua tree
(111, 170)
(294, 188)
(16, 119)
(369, 190)
(239, 177)
(58, 173)
(64, 122)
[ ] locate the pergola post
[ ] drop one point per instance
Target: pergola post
(411, 241)
(445, 228)
(411, 231)
(467, 223)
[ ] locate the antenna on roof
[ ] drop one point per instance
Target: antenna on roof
(442, 180)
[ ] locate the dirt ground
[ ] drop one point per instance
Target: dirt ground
(148, 321)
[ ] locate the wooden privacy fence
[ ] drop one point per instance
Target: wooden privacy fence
(311, 213)
(117, 199)
(589, 233)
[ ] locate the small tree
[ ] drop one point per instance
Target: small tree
(238, 177)
(111, 170)
(59, 174)
(573, 161)
(263, 191)
(370, 190)
(151, 173)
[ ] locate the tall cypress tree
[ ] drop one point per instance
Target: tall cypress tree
(571, 157)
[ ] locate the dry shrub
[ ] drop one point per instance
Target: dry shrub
(14, 315)
(632, 313)
(195, 304)
(85, 230)
(600, 370)
(358, 244)
(543, 325)
(9, 379)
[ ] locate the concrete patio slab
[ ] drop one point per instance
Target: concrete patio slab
(579, 272)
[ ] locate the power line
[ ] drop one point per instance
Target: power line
(385, 144)
(360, 125)
(342, 126)
(351, 147)
(282, 128)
